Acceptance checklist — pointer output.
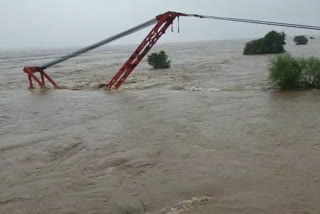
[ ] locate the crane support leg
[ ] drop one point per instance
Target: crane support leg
(164, 21)
(43, 75)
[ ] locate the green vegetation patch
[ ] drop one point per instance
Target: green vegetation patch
(159, 60)
(301, 40)
(290, 72)
(272, 43)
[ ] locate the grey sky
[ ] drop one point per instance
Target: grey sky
(67, 23)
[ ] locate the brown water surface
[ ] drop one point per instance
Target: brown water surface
(209, 135)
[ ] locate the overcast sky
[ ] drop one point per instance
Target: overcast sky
(72, 23)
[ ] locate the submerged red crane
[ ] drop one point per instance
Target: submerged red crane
(162, 22)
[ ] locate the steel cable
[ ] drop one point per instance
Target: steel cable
(153, 21)
(253, 21)
(98, 44)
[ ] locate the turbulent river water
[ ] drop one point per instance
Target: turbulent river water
(210, 135)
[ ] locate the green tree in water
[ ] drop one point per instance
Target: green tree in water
(301, 40)
(159, 60)
(272, 43)
(290, 72)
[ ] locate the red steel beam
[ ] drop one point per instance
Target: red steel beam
(43, 75)
(164, 21)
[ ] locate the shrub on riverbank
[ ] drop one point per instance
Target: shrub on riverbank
(272, 43)
(290, 72)
(301, 40)
(159, 60)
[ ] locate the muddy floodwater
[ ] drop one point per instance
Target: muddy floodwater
(210, 135)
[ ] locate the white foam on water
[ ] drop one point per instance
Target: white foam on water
(186, 205)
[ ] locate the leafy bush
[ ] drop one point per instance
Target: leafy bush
(301, 40)
(159, 60)
(295, 73)
(272, 43)
(311, 71)
(285, 72)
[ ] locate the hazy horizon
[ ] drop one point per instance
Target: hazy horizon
(36, 24)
